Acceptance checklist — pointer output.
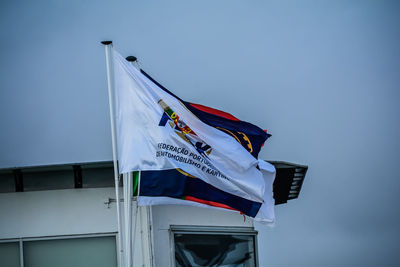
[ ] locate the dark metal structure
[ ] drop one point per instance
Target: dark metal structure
(288, 181)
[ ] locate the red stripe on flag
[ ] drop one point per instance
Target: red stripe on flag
(210, 203)
(215, 112)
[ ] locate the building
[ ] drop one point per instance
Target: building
(65, 215)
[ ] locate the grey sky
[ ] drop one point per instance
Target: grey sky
(321, 76)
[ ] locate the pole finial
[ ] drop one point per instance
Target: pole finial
(106, 42)
(131, 58)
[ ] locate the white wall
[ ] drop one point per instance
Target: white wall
(56, 212)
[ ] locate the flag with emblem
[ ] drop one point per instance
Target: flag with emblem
(188, 153)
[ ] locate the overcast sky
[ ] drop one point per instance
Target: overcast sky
(322, 76)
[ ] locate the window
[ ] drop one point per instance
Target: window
(97, 176)
(69, 176)
(214, 246)
(48, 179)
(9, 254)
(7, 183)
(65, 251)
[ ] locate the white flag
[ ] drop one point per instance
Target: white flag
(185, 142)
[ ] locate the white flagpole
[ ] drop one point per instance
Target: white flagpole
(142, 216)
(132, 233)
(110, 83)
(128, 217)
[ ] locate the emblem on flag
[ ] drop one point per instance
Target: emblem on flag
(184, 131)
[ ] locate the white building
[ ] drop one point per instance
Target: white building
(65, 215)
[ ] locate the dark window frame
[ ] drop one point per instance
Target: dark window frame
(22, 240)
(211, 230)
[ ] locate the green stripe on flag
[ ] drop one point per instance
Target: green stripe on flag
(135, 180)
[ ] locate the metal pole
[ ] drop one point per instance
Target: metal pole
(134, 230)
(143, 216)
(21, 253)
(128, 217)
(132, 234)
(110, 83)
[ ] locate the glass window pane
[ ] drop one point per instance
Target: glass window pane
(48, 179)
(77, 252)
(9, 254)
(97, 177)
(214, 250)
(7, 183)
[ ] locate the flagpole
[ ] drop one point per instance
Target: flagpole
(128, 217)
(110, 84)
(142, 215)
(132, 233)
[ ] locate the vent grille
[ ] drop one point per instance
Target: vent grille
(288, 181)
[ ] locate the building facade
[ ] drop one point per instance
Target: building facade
(59, 220)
